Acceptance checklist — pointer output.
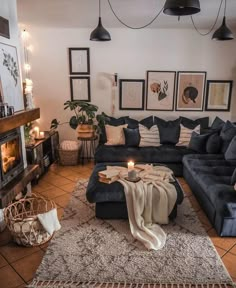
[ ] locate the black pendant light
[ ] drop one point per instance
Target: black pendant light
(100, 33)
(181, 7)
(223, 33)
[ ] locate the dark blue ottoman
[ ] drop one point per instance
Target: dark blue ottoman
(110, 198)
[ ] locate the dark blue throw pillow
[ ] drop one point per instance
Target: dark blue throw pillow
(198, 142)
(111, 121)
(213, 144)
(191, 124)
(169, 130)
(217, 124)
(233, 177)
(132, 137)
(133, 123)
(230, 153)
(227, 133)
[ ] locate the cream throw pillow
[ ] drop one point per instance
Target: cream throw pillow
(149, 137)
(115, 134)
(185, 135)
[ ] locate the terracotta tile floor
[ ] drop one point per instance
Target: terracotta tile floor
(18, 264)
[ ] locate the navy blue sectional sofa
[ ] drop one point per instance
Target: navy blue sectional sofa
(210, 175)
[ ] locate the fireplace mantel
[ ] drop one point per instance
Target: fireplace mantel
(18, 119)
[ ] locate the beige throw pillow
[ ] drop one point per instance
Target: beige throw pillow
(115, 134)
(185, 135)
(149, 137)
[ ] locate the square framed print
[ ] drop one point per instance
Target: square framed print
(160, 90)
(10, 82)
(80, 88)
(79, 61)
(190, 91)
(132, 94)
(218, 95)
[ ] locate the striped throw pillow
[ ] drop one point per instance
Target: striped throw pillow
(149, 137)
(185, 135)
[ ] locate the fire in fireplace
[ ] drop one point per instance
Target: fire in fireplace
(10, 156)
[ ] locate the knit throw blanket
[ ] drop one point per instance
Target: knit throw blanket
(149, 203)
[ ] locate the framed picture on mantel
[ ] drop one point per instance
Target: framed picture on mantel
(132, 94)
(79, 61)
(218, 95)
(190, 91)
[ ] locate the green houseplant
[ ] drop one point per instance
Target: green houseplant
(84, 119)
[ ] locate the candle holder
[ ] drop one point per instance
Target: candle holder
(132, 174)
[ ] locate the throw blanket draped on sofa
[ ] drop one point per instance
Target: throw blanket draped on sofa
(149, 201)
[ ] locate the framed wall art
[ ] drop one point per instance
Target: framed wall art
(80, 88)
(190, 91)
(218, 95)
(4, 28)
(132, 94)
(10, 85)
(79, 61)
(160, 90)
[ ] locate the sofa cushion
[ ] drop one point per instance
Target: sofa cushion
(149, 137)
(217, 123)
(132, 137)
(198, 142)
(233, 177)
(113, 122)
(227, 133)
(161, 154)
(169, 130)
(230, 153)
(185, 135)
(191, 124)
(115, 134)
(213, 144)
(133, 123)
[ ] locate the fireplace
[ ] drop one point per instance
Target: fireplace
(10, 156)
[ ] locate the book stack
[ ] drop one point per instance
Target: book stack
(108, 176)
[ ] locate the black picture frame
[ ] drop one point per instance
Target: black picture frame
(131, 97)
(80, 88)
(190, 83)
(4, 27)
(79, 61)
(219, 88)
(153, 98)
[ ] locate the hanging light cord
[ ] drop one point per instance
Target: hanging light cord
(213, 26)
(140, 27)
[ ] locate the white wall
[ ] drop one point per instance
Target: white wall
(130, 54)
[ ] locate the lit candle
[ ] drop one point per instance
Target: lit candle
(41, 134)
(36, 130)
(131, 171)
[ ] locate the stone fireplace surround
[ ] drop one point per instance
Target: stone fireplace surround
(21, 177)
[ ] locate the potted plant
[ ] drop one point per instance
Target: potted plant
(85, 119)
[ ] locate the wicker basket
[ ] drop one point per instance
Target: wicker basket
(68, 157)
(21, 219)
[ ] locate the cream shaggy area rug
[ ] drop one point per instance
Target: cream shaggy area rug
(88, 252)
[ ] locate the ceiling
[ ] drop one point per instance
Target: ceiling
(84, 13)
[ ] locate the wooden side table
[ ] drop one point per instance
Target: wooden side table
(87, 148)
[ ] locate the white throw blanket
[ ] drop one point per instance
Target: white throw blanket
(49, 220)
(149, 201)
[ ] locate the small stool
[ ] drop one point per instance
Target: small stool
(87, 148)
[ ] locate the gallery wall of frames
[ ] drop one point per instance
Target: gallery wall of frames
(160, 91)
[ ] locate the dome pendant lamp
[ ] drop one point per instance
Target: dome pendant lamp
(223, 33)
(100, 33)
(181, 7)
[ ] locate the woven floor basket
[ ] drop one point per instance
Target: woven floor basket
(21, 219)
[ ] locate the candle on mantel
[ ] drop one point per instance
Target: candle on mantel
(36, 130)
(41, 135)
(131, 171)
